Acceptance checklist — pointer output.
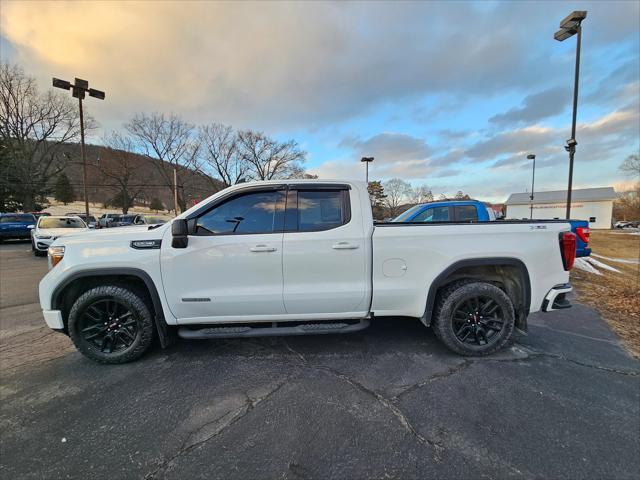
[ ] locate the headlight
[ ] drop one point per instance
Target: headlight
(43, 237)
(55, 255)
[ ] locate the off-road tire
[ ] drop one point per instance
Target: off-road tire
(126, 298)
(458, 291)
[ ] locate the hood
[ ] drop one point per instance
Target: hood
(60, 232)
(119, 234)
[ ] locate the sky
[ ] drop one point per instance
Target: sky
(452, 95)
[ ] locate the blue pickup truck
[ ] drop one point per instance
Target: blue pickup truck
(16, 226)
(471, 211)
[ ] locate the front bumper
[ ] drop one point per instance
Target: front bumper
(556, 299)
(53, 319)
(19, 235)
(43, 244)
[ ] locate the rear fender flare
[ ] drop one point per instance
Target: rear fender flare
(521, 313)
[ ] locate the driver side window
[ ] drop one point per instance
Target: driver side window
(250, 213)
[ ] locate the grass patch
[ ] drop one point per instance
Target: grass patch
(615, 295)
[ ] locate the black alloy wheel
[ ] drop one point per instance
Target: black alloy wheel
(478, 320)
(109, 326)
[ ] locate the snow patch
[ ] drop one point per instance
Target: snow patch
(631, 261)
(599, 264)
(582, 264)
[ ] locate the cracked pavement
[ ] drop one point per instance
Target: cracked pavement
(390, 401)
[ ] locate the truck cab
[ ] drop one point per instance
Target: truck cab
(460, 211)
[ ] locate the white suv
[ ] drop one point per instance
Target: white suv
(49, 228)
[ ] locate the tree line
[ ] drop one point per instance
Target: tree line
(35, 127)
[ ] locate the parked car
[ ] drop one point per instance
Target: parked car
(144, 219)
(125, 220)
(301, 257)
(107, 220)
(16, 226)
(48, 229)
(90, 221)
(465, 211)
(627, 224)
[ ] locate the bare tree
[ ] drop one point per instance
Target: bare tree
(219, 149)
(396, 191)
(32, 128)
(267, 158)
(297, 172)
(631, 166)
(421, 194)
(171, 140)
(123, 169)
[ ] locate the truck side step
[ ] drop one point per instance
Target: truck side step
(273, 329)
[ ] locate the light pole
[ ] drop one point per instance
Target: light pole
(78, 90)
(569, 26)
(533, 180)
(367, 161)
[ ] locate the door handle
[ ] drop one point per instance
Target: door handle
(263, 248)
(344, 246)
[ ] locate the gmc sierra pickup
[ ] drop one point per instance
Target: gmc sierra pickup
(301, 257)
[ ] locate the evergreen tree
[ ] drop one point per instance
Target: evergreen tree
(156, 204)
(377, 196)
(64, 190)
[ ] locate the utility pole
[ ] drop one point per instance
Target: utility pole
(175, 189)
(78, 90)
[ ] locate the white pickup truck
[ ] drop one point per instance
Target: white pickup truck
(300, 257)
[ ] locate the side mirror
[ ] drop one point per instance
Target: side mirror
(179, 231)
(31, 227)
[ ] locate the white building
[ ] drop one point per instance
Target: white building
(592, 204)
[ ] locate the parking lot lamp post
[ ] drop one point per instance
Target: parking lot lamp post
(569, 26)
(367, 161)
(78, 90)
(533, 180)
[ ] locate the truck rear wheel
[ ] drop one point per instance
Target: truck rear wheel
(473, 318)
(111, 324)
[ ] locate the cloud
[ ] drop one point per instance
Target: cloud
(389, 147)
(536, 107)
(279, 65)
(520, 141)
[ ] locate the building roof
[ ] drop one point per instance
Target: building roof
(558, 196)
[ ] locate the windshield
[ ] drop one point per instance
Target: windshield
(408, 214)
(61, 223)
(16, 218)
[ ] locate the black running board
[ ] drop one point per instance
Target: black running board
(274, 329)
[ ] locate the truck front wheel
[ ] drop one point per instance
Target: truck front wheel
(473, 318)
(111, 324)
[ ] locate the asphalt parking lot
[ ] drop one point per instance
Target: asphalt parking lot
(387, 402)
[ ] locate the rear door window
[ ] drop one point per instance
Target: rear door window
(319, 210)
(466, 213)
